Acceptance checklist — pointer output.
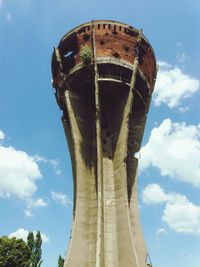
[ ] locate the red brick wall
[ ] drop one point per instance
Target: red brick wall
(113, 41)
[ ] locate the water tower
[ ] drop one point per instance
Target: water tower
(104, 74)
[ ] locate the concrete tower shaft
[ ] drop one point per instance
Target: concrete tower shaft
(104, 73)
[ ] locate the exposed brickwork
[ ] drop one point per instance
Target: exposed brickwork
(118, 42)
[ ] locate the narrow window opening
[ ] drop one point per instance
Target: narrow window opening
(82, 30)
(99, 26)
(115, 27)
(68, 54)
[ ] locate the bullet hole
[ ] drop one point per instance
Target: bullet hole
(86, 37)
(115, 54)
(126, 48)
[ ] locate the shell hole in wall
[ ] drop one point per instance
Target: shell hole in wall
(115, 54)
(86, 37)
(130, 32)
(126, 48)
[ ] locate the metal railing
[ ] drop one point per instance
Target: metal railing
(114, 77)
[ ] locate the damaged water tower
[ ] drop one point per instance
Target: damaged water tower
(104, 74)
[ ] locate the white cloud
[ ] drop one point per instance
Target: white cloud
(18, 173)
(161, 231)
(182, 216)
(179, 214)
(8, 17)
(181, 57)
(183, 109)
(153, 194)
(2, 135)
(174, 148)
(55, 165)
(172, 85)
(53, 162)
(61, 198)
(38, 203)
(38, 158)
(1, 3)
(22, 234)
(28, 213)
(34, 204)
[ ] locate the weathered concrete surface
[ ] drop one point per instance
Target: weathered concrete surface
(104, 108)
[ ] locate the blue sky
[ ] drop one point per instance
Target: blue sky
(35, 170)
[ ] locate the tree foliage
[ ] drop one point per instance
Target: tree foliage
(60, 261)
(35, 247)
(14, 252)
(31, 244)
(86, 54)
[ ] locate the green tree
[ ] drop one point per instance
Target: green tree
(31, 245)
(38, 249)
(14, 252)
(60, 261)
(35, 244)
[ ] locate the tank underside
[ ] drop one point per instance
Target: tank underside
(105, 104)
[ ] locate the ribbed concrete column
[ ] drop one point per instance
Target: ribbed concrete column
(100, 218)
(84, 230)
